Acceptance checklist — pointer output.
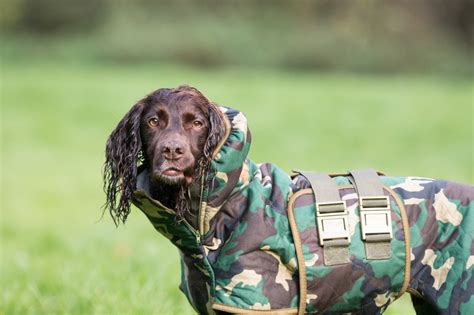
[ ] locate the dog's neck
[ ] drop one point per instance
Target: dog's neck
(164, 193)
(167, 195)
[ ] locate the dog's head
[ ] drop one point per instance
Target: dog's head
(172, 133)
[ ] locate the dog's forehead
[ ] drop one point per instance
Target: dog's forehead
(179, 106)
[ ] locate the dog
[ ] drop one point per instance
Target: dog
(253, 239)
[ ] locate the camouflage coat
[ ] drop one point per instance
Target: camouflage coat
(256, 248)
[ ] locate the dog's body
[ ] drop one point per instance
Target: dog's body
(250, 241)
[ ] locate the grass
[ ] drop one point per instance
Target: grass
(59, 257)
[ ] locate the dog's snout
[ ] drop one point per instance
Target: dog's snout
(172, 150)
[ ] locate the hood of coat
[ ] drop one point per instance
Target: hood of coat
(224, 176)
(228, 172)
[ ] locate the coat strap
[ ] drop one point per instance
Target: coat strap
(331, 218)
(375, 216)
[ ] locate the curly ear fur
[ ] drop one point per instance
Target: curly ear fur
(216, 132)
(123, 154)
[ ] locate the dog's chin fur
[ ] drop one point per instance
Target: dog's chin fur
(169, 180)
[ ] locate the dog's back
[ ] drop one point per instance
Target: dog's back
(256, 246)
(437, 240)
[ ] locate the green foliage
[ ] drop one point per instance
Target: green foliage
(51, 16)
(58, 257)
(362, 36)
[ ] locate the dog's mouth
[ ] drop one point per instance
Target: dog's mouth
(172, 172)
(174, 176)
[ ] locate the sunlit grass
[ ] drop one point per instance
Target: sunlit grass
(58, 257)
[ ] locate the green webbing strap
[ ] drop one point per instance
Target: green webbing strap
(331, 218)
(375, 216)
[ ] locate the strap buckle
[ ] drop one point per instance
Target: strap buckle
(375, 216)
(332, 221)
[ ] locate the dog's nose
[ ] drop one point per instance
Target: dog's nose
(172, 150)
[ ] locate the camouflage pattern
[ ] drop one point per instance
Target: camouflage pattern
(242, 255)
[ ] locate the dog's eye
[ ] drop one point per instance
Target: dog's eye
(153, 122)
(197, 124)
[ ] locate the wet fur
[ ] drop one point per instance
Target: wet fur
(126, 154)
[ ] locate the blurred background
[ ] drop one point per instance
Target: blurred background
(326, 85)
(362, 36)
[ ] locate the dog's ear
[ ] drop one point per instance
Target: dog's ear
(122, 155)
(216, 131)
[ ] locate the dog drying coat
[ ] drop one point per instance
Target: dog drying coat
(267, 242)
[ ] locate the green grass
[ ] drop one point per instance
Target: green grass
(59, 257)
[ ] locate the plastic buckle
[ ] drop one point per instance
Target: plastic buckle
(332, 221)
(375, 216)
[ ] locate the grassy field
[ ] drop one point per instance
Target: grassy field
(59, 256)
